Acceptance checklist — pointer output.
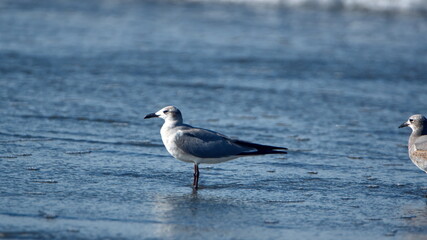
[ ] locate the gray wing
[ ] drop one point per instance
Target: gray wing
(203, 143)
(421, 143)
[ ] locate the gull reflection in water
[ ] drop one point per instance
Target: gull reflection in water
(415, 219)
(191, 215)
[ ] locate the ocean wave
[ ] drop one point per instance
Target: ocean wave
(400, 6)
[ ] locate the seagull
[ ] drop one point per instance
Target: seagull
(198, 145)
(417, 144)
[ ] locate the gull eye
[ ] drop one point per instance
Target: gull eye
(165, 111)
(411, 120)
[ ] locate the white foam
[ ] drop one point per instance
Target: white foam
(370, 5)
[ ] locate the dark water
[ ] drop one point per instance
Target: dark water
(77, 160)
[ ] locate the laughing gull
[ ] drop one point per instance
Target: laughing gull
(417, 144)
(198, 145)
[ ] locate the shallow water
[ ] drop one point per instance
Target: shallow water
(77, 160)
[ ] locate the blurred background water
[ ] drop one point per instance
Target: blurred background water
(331, 80)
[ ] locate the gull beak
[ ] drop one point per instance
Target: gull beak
(405, 124)
(151, 115)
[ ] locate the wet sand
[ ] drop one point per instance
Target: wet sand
(77, 160)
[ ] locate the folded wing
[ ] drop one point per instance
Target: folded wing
(204, 143)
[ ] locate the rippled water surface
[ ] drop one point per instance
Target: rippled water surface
(78, 161)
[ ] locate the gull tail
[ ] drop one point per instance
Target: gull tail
(260, 149)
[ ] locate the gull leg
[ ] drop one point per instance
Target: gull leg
(196, 176)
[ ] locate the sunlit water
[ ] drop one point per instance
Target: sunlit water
(77, 159)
